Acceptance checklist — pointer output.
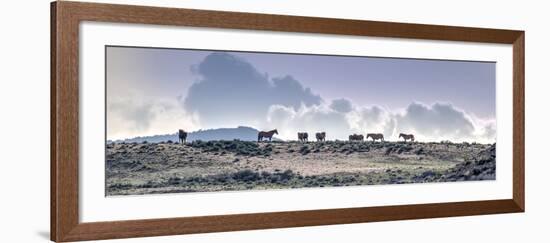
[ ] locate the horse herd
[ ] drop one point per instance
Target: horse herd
(319, 136)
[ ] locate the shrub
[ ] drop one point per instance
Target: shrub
(174, 180)
(389, 150)
(287, 175)
(304, 150)
(420, 151)
(405, 148)
(246, 175)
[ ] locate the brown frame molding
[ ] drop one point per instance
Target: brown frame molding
(65, 19)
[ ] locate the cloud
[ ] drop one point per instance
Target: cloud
(338, 119)
(341, 105)
(443, 121)
(232, 92)
(436, 122)
(489, 131)
(373, 119)
(136, 116)
(317, 118)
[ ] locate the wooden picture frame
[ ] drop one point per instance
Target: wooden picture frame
(65, 19)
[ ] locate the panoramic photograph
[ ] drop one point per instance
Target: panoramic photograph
(191, 121)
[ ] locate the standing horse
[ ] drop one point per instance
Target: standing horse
(320, 136)
(356, 137)
(267, 135)
(302, 136)
(375, 136)
(406, 137)
(182, 135)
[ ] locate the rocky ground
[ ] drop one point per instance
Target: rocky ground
(145, 168)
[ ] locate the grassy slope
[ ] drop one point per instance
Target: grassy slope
(237, 165)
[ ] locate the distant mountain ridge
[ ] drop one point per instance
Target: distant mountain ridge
(240, 133)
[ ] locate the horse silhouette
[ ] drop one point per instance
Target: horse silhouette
(320, 136)
(356, 137)
(268, 135)
(375, 136)
(406, 137)
(182, 135)
(302, 136)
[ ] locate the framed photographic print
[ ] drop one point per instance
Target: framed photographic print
(175, 121)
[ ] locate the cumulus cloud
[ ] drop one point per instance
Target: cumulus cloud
(443, 121)
(311, 119)
(341, 105)
(435, 122)
(233, 92)
(372, 119)
(135, 116)
(230, 92)
(338, 121)
(489, 131)
(438, 120)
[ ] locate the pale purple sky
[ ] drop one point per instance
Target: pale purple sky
(391, 83)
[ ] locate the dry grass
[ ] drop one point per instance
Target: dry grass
(237, 165)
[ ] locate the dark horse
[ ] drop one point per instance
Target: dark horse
(302, 136)
(182, 136)
(375, 136)
(320, 136)
(267, 135)
(356, 137)
(407, 137)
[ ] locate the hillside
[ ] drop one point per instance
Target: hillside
(241, 133)
(134, 168)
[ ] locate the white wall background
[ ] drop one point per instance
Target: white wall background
(24, 123)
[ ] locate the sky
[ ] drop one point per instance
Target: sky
(158, 91)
